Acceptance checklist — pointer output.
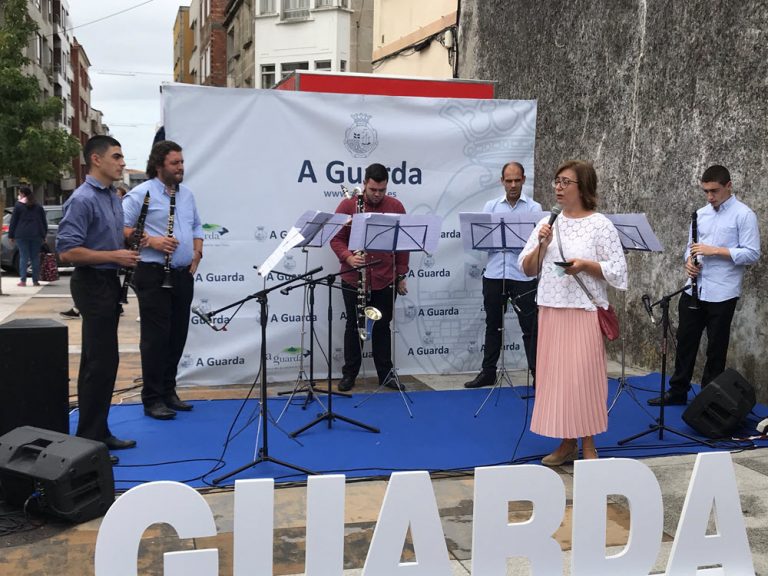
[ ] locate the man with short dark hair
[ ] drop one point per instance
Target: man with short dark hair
(90, 237)
(728, 242)
(164, 279)
(503, 281)
(378, 279)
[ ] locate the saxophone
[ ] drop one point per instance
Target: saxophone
(138, 233)
(366, 315)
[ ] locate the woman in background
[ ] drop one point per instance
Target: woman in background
(571, 368)
(28, 229)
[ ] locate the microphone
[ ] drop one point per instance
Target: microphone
(284, 291)
(202, 315)
(554, 213)
(647, 303)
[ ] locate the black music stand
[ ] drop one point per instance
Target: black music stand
(659, 425)
(329, 415)
(636, 235)
(393, 233)
(315, 229)
(498, 232)
(263, 453)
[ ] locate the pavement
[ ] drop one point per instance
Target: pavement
(38, 546)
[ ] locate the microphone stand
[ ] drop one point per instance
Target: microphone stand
(329, 415)
(263, 453)
(659, 426)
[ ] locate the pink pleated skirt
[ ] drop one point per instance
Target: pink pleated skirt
(571, 375)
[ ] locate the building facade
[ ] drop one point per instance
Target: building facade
(208, 56)
(183, 43)
(241, 61)
(415, 38)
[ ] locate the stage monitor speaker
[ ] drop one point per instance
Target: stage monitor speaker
(34, 375)
(721, 406)
(57, 474)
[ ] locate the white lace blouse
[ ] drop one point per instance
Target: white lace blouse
(592, 238)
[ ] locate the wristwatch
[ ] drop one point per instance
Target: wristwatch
(400, 277)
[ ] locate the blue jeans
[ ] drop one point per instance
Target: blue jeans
(29, 249)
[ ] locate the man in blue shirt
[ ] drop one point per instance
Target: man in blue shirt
(164, 278)
(728, 241)
(503, 280)
(90, 237)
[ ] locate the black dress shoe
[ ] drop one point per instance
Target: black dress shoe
(482, 379)
(346, 384)
(670, 399)
(177, 404)
(394, 384)
(113, 460)
(159, 411)
(117, 444)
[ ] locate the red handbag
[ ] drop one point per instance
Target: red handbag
(609, 322)
(49, 272)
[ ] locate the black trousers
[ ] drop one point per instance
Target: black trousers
(96, 294)
(164, 327)
(716, 318)
(496, 294)
(380, 335)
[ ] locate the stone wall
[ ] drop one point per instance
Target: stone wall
(652, 92)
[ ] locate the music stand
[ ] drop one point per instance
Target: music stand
(263, 452)
(393, 233)
(635, 234)
(329, 415)
(659, 425)
(315, 229)
(498, 232)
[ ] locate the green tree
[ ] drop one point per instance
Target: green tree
(30, 147)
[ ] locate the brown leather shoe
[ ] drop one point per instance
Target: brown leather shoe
(557, 460)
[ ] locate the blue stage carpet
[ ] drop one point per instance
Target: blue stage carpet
(443, 435)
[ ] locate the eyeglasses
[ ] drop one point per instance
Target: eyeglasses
(564, 182)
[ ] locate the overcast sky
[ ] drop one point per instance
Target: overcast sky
(131, 54)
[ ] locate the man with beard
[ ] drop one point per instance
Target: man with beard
(378, 279)
(174, 250)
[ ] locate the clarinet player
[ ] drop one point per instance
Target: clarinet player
(378, 281)
(164, 277)
(728, 242)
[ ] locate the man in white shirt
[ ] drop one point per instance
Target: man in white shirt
(503, 280)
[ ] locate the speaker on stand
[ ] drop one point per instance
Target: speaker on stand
(721, 406)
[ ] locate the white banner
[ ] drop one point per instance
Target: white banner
(258, 159)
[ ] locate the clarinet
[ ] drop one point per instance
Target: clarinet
(366, 315)
(138, 233)
(167, 277)
(694, 305)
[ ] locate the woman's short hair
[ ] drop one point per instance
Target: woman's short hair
(587, 181)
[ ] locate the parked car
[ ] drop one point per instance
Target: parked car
(9, 259)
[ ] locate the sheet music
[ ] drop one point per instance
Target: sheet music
(292, 238)
(635, 232)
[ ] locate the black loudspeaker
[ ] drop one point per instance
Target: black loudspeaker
(66, 476)
(721, 406)
(34, 375)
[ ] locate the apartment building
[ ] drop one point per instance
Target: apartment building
(415, 38)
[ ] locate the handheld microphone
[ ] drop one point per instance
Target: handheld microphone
(647, 303)
(202, 315)
(554, 213)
